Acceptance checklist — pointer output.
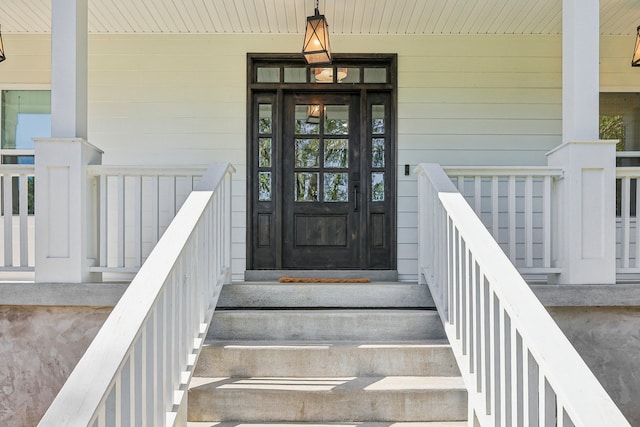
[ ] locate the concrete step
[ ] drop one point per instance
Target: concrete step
(331, 399)
(348, 424)
(330, 325)
(301, 295)
(318, 359)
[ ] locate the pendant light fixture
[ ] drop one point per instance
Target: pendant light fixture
(316, 48)
(2, 55)
(636, 52)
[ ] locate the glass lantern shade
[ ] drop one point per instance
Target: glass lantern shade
(316, 48)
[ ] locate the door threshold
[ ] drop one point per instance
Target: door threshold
(274, 275)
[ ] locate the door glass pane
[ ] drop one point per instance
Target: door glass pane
(377, 153)
(307, 119)
(264, 186)
(375, 75)
(348, 75)
(336, 119)
(268, 75)
(265, 119)
(307, 186)
(336, 153)
(295, 75)
(264, 156)
(377, 186)
(307, 153)
(336, 187)
(335, 75)
(377, 114)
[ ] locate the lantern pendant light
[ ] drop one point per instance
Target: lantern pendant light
(316, 48)
(636, 52)
(2, 55)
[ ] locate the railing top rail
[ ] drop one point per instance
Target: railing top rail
(628, 172)
(130, 170)
(627, 153)
(17, 169)
(585, 399)
(506, 171)
(115, 339)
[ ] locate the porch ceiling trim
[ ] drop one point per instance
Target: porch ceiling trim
(349, 17)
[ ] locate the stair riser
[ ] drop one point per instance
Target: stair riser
(272, 406)
(325, 295)
(325, 360)
(397, 325)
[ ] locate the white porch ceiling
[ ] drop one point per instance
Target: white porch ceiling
(617, 17)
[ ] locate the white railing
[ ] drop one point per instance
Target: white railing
(627, 229)
(17, 231)
(136, 205)
(518, 366)
(515, 204)
(136, 369)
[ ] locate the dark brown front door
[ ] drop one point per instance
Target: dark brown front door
(321, 164)
(322, 195)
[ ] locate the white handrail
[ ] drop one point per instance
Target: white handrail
(136, 369)
(516, 362)
(17, 229)
(515, 204)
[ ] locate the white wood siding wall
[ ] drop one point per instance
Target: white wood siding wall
(463, 100)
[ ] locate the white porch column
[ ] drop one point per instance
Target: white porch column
(69, 69)
(580, 70)
(66, 210)
(586, 197)
(66, 198)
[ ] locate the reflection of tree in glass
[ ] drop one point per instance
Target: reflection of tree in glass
(264, 125)
(612, 127)
(335, 153)
(377, 153)
(264, 186)
(306, 187)
(377, 186)
(336, 127)
(307, 153)
(378, 125)
(265, 153)
(336, 187)
(303, 127)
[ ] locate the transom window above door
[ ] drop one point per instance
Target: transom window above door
(346, 70)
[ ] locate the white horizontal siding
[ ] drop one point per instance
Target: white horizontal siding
(462, 100)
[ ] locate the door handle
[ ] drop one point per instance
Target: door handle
(355, 198)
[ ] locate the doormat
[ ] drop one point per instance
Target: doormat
(322, 280)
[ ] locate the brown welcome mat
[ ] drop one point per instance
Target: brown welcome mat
(322, 280)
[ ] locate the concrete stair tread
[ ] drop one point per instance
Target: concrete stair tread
(326, 325)
(328, 399)
(342, 424)
(334, 384)
(274, 294)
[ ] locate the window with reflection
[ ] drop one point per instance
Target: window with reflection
(336, 120)
(336, 153)
(306, 186)
(336, 187)
(377, 186)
